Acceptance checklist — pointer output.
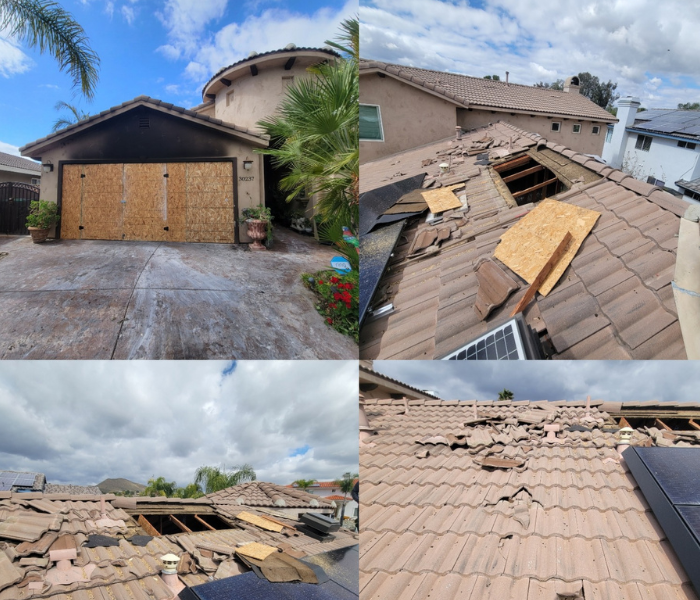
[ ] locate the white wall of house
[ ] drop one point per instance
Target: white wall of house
(323, 492)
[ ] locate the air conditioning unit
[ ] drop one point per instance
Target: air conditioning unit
(513, 340)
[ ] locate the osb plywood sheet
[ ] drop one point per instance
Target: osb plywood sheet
(71, 202)
(177, 178)
(210, 215)
(259, 521)
(256, 550)
(221, 199)
(442, 199)
(210, 237)
(103, 178)
(209, 169)
(215, 185)
(526, 247)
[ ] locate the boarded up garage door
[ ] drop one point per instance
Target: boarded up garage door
(178, 202)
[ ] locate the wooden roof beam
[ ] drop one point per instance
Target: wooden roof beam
(523, 173)
(534, 187)
(203, 522)
(254, 70)
(290, 63)
(511, 164)
(226, 82)
(661, 424)
(180, 524)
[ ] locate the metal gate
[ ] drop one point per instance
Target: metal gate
(14, 206)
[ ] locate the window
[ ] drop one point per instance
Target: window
(371, 123)
(643, 143)
(287, 81)
(608, 135)
(229, 98)
(577, 127)
(35, 181)
(556, 126)
(595, 130)
(688, 145)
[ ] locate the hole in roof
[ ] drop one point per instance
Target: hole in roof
(168, 524)
(527, 180)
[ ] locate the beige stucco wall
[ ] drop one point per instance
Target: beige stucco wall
(410, 117)
(19, 177)
(256, 97)
(584, 142)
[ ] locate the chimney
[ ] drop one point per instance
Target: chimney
(571, 85)
(614, 150)
(506, 77)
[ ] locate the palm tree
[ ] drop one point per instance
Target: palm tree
(315, 133)
(191, 490)
(505, 395)
(159, 487)
(76, 115)
(304, 484)
(213, 479)
(345, 484)
(43, 24)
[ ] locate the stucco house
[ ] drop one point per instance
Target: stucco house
(15, 168)
(405, 107)
(661, 146)
(152, 171)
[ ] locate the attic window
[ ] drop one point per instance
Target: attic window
(144, 123)
(168, 524)
(577, 128)
(595, 130)
(643, 143)
(527, 180)
(688, 145)
(556, 126)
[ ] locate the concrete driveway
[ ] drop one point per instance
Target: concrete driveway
(70, 299)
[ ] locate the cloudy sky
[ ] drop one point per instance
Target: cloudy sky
(649, 48)
(166, 49)
(81, 421)
(670, 381)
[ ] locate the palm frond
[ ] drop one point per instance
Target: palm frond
(44, 25)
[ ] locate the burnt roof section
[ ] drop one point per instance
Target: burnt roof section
(16, 162)
(328, 51)
(154, 103)
(471, 500)
(678, 123)
(260, 493)
(476, 92)
(33, 525)
(614, 301)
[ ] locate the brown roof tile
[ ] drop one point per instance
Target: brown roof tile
(572, 519)
(475, 91)
(260, 493)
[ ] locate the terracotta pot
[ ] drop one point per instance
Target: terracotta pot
(38, 235)
(258, 231)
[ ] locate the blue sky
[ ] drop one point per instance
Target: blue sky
(648, 48)
(166, 49)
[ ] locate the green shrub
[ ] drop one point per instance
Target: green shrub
(42, 214)
(339, 299)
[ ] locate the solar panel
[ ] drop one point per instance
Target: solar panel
(671, 469)
(505, 342)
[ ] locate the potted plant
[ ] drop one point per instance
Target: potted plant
(258, 220)
(42, 216)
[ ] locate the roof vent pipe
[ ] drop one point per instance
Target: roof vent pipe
(686, 281)
(506, 77)
(625, 438)
(458, 132)
(169, 573)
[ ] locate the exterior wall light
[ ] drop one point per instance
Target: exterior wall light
(47, 167)
(247, 165)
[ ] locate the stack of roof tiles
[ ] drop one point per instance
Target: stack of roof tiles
(476, 91)
(565, 520)
(34, 524)
(258, 493)
(615, 300)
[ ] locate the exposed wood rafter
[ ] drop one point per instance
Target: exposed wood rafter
(203, 522)
(226, 82)
(661, 424)
(290, 63)
(524, 173)
(534, 187)
(254, 70)
(180, 524)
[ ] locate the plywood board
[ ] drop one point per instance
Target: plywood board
(256, 550)
(259, 521)
(442, 199)
(526, 247)
(71, 202)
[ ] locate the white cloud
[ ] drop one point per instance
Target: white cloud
(9, 149)
(172, 88)
(12, 60)
(109, 8)
(197, 71)
(80, 423)
(186, 21)
(128, 14)
(50, 86)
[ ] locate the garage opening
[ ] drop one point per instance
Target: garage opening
(167, 524)
(527, 180)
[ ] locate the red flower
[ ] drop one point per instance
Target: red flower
(333, 305)
(348, 286)
(329, 319)
(320, 282)
(337, 296)
(334, 280)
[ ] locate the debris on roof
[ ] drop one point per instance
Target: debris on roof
(511, 515)
(611, 297)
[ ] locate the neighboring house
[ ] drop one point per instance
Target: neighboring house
(516, 499)
(280, 498)
(427, 295)
(148, 170)
(21, 482)
(65, 545)
(330, 491)
(15, 168)
(376, 385)
(405, 107)
(661, 146)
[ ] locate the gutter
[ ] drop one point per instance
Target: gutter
(686, 281)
